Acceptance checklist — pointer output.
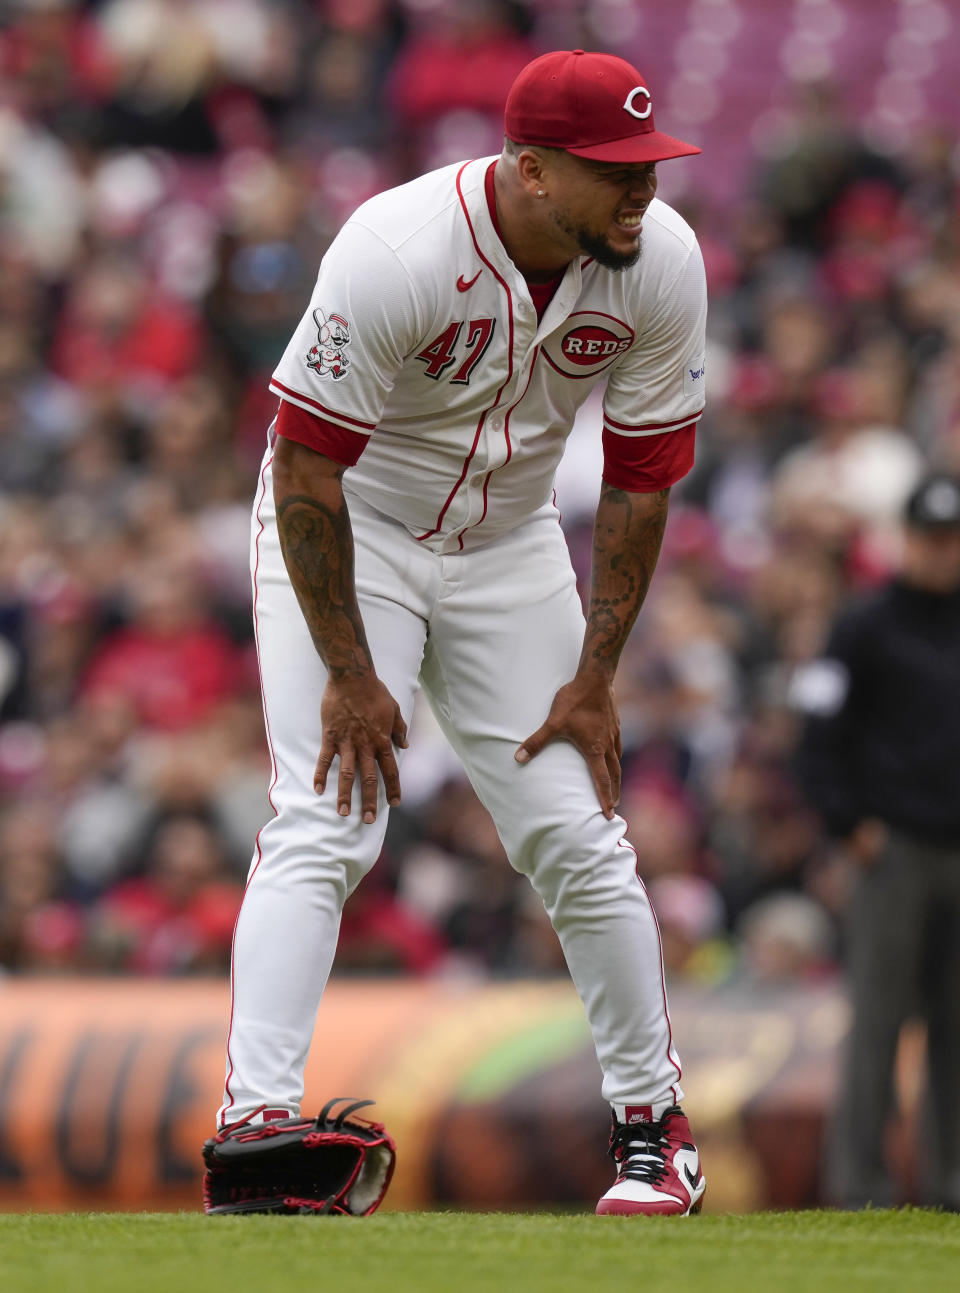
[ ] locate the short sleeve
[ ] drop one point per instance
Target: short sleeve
(342, 360)
(659, 384)
(644, 464)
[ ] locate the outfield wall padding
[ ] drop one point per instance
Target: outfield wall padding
(109, 1087)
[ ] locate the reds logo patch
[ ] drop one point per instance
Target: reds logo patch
(326, 358)
(588, 343)
(629, 103)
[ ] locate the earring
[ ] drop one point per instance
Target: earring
(540, 193)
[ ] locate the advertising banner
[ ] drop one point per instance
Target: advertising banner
(492, 1091)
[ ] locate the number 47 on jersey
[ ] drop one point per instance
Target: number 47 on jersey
(444, 351)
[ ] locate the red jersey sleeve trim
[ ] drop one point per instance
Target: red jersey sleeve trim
(645, 464)
(307, 402)
(644, 428)
(333, 441)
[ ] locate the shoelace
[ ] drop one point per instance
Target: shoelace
(638, 1151)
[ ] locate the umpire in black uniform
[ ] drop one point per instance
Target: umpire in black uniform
(880, 759)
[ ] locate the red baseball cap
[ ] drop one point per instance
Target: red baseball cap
(591, 105)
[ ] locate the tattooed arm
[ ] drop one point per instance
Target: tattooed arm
(626, 544)
(361, 720)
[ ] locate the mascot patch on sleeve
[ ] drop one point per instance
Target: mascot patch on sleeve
(327, 358)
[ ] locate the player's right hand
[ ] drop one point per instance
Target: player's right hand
(361, 723)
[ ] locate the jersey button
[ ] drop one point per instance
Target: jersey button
(497, 424)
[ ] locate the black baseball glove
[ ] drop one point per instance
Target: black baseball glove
(340, 1165)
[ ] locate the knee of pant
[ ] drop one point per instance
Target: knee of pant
(296, 852)
(581, 865)
(584, 894)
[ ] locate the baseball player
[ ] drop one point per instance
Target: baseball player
(405, 535)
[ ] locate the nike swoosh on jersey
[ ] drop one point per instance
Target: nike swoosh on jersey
(463, 286)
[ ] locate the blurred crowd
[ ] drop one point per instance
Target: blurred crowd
(171, 172)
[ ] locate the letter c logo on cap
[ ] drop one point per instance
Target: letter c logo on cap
(628, 103)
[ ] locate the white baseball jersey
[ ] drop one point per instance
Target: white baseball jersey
(421, 361)
(421, 350)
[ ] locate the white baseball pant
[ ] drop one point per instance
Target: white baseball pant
(491, 634)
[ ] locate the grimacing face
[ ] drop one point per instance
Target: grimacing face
(600, 206)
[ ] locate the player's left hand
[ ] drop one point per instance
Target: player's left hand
(584, 713)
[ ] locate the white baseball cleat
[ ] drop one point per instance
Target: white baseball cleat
(658, 1169)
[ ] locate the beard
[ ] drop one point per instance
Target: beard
(596, 245)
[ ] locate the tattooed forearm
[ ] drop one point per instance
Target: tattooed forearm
(317, 545)
(626, 544)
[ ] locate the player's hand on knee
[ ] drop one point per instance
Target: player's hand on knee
(584, 713)
(361, 724)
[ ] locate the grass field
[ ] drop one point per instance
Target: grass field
(466, 1252)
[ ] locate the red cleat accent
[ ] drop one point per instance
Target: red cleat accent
(658, 1169)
